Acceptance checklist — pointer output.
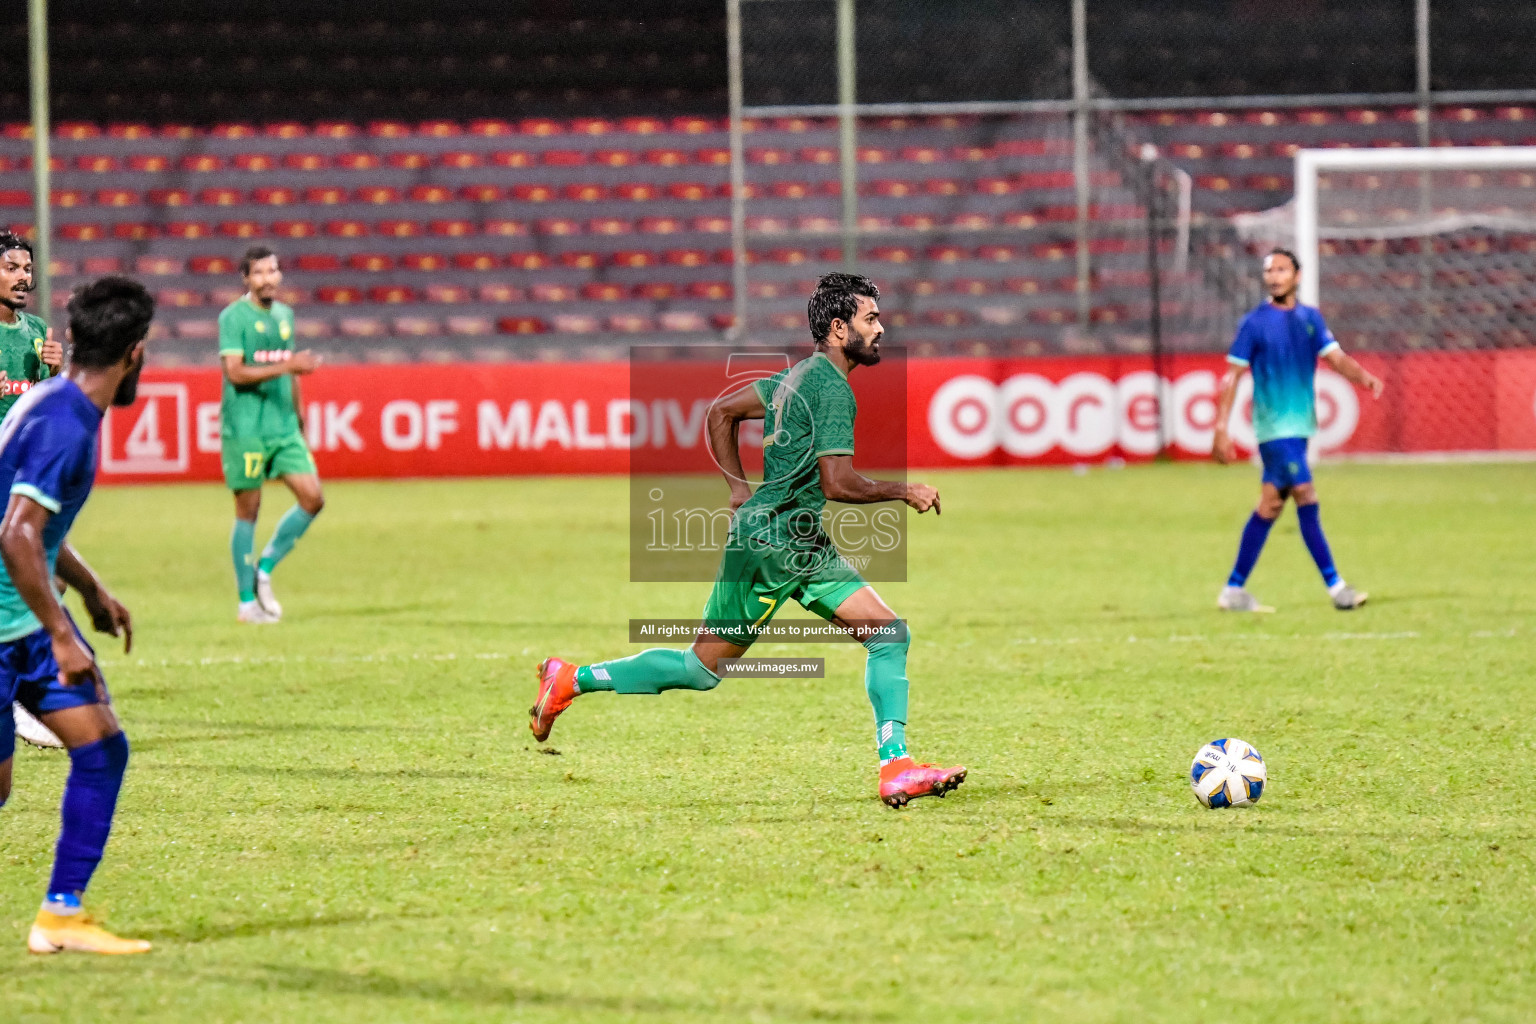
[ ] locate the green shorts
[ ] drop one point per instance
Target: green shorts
(755, 579)
(250, 461)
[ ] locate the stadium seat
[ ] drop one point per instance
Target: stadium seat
(379, 195)
(202, 163)
(306, 161)
(310, 328)
(528, 260)
(254, 163)
(453, 228)
(683, 320)
(390, 294)
(132, 231)
(712, 225)
(148, 163)
(521, 325)
(712, 290)
(372, 262)
(318, 262)
(211, 265)
(558, 227)
(470, 326)
(197, 330)
(499, 292)
(532, 193)
(475, 261)
(426, 262)
(548, 291)
(239, 228)
(581, 260)
(430, 194)
(481, 193)
(503, 227)
(609, 226)
(460, 160)
(604, 291)
(67, 197)
(408, 161)
(491, 127)
(357, 161)
(274, 196)
(361, 327)
(448, 294)
(346, 228)
(151, 266)
(294, 228)
(563, 157)
(335, 130)
(630, 323)
(614, 157)
(179, 297)
(98, 164)
(642, 125)
(636, 191)
(656, 291)
(686, 257)
(540, 127)
(586, 192)
(439, 129)
(338, 295)
(398, 228)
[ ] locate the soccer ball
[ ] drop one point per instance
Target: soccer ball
(1228, 773)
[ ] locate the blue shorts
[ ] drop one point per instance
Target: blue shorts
(1285, 463)
(29, 675)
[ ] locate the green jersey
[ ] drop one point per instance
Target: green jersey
(21, 357)
(810, 412)
(260, 337)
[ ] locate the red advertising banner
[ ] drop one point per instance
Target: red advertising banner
(534, 418)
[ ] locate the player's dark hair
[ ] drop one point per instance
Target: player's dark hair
(1277, 251)
(107, 318)
(837, 298)
(11, 240)
(254, 253)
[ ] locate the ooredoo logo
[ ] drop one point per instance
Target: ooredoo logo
(1088, 414)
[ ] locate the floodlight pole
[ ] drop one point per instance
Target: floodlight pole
(1080, 153)
(738, 171)
(847, 94)
(37, 38)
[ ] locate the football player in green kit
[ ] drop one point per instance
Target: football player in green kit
(260, 429)
(777, 549)
(28, 352)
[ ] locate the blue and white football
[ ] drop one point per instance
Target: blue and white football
(1228, 773)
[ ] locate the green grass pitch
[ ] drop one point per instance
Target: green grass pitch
(344, 817)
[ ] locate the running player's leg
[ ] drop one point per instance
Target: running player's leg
(742, 601)
(290, 461)
(1234, 596)
(1345, 597)
(886, 637)
(82, 717)
(242, 538)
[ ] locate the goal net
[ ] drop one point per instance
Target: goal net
(1423, 261)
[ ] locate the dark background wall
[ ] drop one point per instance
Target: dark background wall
(180, 61)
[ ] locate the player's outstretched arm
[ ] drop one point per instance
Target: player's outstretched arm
(21, 547)
(725, 415)
(1222, 448)
(841, 482)
(242, 375)
(1353, 372)
(108, 615)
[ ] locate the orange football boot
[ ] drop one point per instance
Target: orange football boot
(902, 780)
(557, 688)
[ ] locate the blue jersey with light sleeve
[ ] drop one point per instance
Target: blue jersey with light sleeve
(47, 453)
(1281, 347)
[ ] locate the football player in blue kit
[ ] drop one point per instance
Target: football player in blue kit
(1280, 342)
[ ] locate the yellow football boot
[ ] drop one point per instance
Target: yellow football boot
(55, 933)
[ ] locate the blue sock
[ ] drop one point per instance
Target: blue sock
(1317, 544)
(1255, 533)
(90, 798)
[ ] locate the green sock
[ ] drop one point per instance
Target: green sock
(652, 671)
(241, 542)
(289, 529)
(885, 681)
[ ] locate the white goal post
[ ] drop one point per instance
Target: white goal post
(1310, 163)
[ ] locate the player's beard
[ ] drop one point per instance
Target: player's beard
(10, 301)
(128, 387)
(861, 351)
